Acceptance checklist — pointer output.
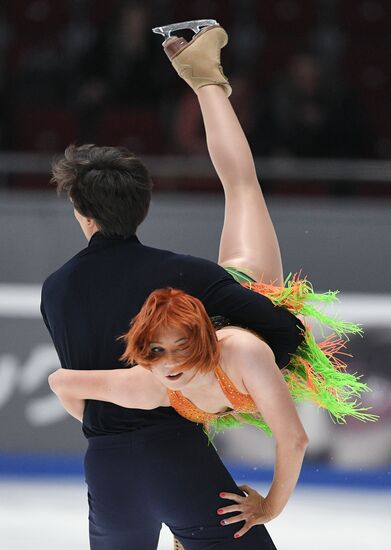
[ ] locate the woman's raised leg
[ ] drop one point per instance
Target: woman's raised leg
(248, 240)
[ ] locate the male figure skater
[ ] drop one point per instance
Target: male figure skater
(142, 467)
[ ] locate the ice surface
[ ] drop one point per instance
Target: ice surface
(47, 515)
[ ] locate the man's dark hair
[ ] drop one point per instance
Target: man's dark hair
(108, 184)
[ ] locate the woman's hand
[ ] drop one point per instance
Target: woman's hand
(254, 509)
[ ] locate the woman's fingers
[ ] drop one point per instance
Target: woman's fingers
(246, 527)
(232, 496)
(234, 519)
(246, 489)
(228, 509)
(250, 507)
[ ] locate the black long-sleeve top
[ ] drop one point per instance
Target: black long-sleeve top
(89, 302)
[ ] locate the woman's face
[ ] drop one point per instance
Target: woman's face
(169, 345)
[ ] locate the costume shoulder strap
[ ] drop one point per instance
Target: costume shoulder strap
(240, 401)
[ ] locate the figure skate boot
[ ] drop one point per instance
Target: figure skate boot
(197, 61)
(178, 545)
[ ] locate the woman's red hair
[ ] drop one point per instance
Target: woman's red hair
(168, 308)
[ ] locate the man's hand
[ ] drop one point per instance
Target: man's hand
(253, 509)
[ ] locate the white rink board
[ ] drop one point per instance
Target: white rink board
(47, 515)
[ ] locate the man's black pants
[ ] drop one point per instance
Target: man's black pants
(167, 473)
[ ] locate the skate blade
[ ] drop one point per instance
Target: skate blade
(195, 26)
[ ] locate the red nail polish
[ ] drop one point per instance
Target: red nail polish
(222, 522)
(222, 495)
(220, 511)
(236, 535)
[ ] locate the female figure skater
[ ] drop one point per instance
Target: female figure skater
(226, 377)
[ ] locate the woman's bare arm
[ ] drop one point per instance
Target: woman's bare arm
(74, 407)
(264, 382)
(134, 388)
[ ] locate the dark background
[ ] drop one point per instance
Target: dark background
(311, 79)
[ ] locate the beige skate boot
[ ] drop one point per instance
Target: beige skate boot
(197, 61)
(178, 545)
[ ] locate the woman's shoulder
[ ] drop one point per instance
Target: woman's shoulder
(242, 350)
(236, 337)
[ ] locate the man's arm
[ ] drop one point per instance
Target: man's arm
(222, 295)
(44, 314)
(45, 319)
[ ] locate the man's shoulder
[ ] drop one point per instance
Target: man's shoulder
(87, 259)
(64, 272)
(188, 262)
(179, 260)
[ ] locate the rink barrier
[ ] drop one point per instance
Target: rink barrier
(45, 465)
(320, 475)
(356, 171)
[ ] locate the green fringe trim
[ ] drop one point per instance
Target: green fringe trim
(295, 295)
(315, 372)
(239, 276)
(230, 420)
(319, 377)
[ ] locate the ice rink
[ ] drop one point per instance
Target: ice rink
(52, 515)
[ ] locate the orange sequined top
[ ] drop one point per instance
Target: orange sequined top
(241, 402)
